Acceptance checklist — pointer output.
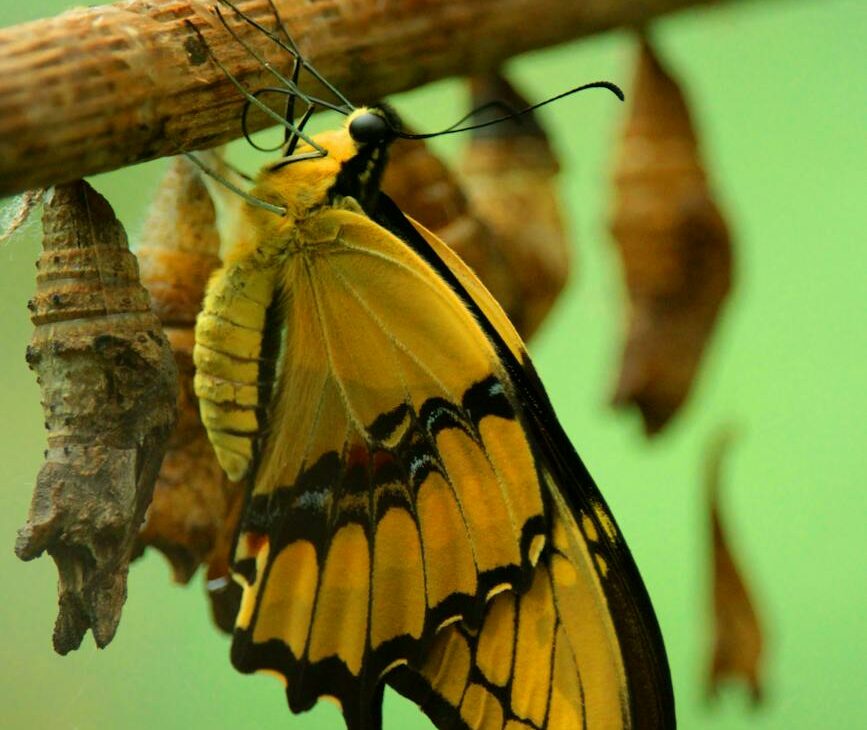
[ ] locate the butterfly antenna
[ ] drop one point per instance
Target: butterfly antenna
(288, 135)
(290, 84)
(513, 114)
(251, 98)
(290, 47)
(245, 129)
(292, 140)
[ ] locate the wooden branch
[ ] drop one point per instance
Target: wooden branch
(94, 89)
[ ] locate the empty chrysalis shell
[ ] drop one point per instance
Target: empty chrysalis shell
(509, 173)
(500, 212)
(673, 245)
(737, 642)
(193, 513)
(109, 386)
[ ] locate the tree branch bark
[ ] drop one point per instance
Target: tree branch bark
(94, 89)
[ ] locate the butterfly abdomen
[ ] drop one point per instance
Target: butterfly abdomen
(228, 359)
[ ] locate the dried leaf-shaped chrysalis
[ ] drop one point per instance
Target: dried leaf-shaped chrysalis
(191, 517)
(673, 244)
(424, 188)
(737, 639)
(510, 175)
(109, 385)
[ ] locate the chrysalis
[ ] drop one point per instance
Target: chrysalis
(673, 244)
(509, 171)
(108, 385)
(738, 643)
(192, 517)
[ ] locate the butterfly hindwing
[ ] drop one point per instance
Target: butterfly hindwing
(524, 668)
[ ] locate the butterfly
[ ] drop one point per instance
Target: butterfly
(416, 514)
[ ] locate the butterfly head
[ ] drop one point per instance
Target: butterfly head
(355, 157)
(374, 126)
(371, 131)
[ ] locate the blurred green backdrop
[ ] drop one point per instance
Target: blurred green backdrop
(778, 89)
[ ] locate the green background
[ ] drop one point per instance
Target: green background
(778, 90)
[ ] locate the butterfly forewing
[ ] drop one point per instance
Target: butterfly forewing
(601, 603)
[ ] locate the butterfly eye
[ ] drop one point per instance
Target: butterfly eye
(368, 127)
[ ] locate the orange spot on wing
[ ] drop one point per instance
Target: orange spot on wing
(381, 459)
(358, 456)
(255, 541)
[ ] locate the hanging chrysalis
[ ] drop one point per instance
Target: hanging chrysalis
(673, 244)
(108, 385)
(737, 633)
(190, 519)
(509, 172)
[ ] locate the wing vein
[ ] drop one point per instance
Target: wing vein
(398, 344)
(449, 298)
(317, 301)
(395, 342)
(347, 285)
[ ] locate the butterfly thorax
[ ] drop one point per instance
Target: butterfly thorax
(351, 168)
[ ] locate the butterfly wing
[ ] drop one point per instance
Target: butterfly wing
(547, 658)
(413, 485)
(397, 490)
(599, 655)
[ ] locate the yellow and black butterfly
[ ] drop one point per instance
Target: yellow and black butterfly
(416, 514)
